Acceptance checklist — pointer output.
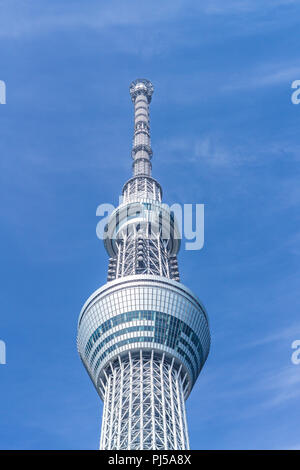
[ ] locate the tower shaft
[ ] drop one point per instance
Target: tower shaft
(144, 405)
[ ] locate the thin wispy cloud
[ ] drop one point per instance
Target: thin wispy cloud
(25, 17)
(264, 76)
(243, 6)
(214, 150)
(282, 387)
(284, 336)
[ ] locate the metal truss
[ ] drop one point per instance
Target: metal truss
(144, 404)
(138, 253)
(141, 187)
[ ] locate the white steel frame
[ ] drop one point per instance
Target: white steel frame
(144, 404)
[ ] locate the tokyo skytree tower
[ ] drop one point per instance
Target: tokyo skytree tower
(143, 336)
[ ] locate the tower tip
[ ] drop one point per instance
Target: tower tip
(141, 85)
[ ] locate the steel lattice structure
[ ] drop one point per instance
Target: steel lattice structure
(144, 404)
(143, 337)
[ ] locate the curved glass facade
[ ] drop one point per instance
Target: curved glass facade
(148, 312)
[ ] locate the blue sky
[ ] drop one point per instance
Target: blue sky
(224, 133)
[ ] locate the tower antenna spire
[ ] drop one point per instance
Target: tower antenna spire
(141, 91)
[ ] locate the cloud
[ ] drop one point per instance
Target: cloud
(214, 150)
(285, 335)
(26, 17)
(264, 76)
(207, 149)
(23, 17)
(293, 242)
(282, 386)
(242, 6)
(293, 447)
